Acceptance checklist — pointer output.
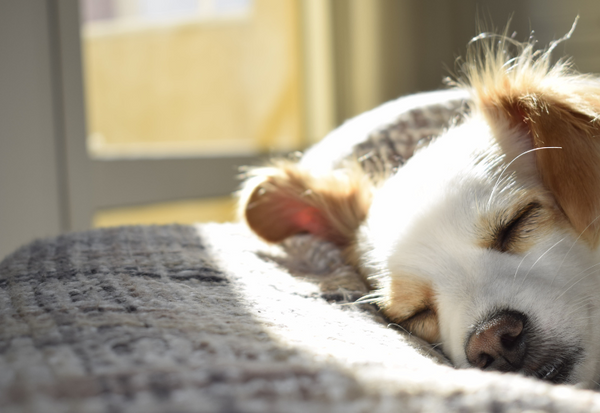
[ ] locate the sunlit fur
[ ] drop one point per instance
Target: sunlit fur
(500, 212)
(284, 199)
(553, 103)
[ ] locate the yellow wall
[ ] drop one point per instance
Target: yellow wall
(212, 86)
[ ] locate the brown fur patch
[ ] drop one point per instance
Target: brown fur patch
(572, 173)
(519, 228)
(285, 199)
(553, 106)
(410, 302)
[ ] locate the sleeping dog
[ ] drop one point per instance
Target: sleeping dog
(486, 239)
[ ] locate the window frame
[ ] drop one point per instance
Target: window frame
(92, 184)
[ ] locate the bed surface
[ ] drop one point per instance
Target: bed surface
(208, 318)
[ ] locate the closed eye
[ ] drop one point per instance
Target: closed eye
(419, 314)
(411, 304)
(423, 324)
(516, 229)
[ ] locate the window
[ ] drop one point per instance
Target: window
(191, 77)
(191, 83)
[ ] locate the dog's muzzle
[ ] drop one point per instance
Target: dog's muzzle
(507, 341)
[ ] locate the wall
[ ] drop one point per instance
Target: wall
(30, 195)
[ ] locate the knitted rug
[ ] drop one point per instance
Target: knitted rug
(209, 319)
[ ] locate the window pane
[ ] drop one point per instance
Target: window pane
(191, 77)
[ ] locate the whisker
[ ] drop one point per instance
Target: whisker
(430, 349)
(400, 327)
(578, 305)
(583, 300)
(584, 318)
(576, 282)
(519, 266)
(587, 269)
(577, 309)
(540, 257)
(572, 245)
(368, 299)
(510, 163)
(584, 271)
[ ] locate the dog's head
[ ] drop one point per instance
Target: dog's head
(487, 239)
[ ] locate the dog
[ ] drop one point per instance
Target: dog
(486, 240)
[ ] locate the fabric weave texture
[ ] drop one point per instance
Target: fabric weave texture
(208, 318)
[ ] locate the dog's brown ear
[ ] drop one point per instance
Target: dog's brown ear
(285, 199)
(550, 106)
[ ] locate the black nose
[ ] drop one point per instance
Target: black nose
(498, 342)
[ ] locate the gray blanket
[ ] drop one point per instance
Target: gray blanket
(210, 319)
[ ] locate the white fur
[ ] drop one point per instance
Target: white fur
(439, 194)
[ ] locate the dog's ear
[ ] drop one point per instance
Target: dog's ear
(286, 199)
(550, 106)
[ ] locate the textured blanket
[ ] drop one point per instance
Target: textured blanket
(210, 319)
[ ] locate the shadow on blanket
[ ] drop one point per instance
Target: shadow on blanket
(210, 319)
